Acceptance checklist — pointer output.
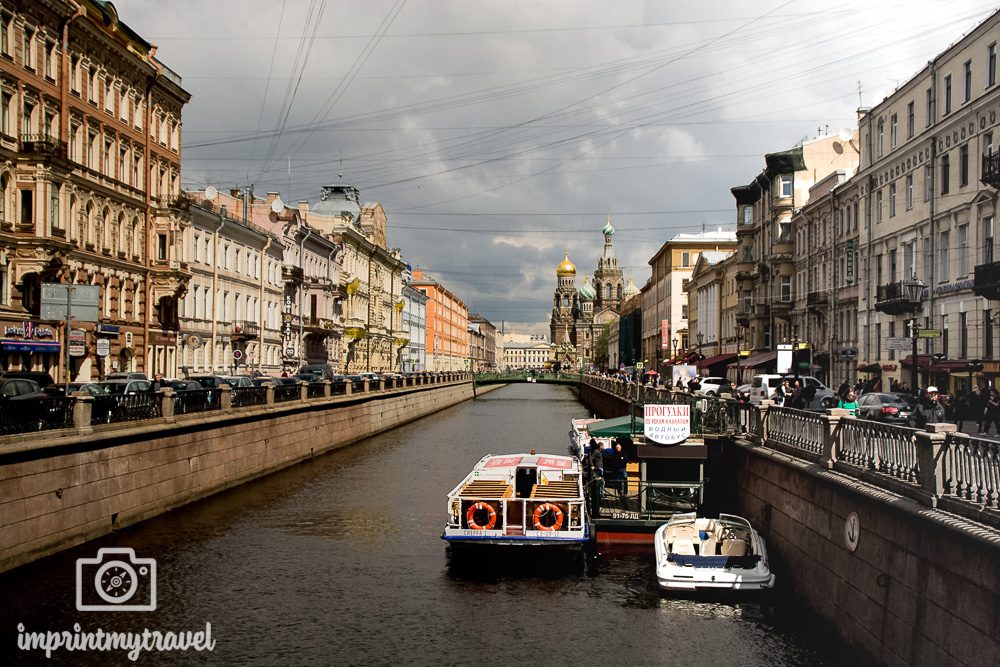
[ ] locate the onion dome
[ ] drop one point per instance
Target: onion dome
(631, 289)
(587, 292)
(566, 268)
(608, 230)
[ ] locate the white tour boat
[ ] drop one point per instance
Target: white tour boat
(695, 553)
(519, 499)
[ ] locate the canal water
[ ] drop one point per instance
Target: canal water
(340, 561)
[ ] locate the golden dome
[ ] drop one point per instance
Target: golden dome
(566, 268)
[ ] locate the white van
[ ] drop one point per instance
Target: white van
(763, 387)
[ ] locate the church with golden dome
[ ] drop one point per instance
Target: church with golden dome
(579, 315)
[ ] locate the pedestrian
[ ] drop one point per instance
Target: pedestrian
(596, 459)
(991, 415)
(693, 385)
(927, 410)
(618, 466)
(976, 405)
(157, 381)
(781, 393)
(849, 402)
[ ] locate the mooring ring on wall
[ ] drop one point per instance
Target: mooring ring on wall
(852, 531)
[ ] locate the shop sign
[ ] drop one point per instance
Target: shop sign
(28, 330)
(77, 343)
(849, 271)
(954, 287)
(103, 347)
(664, 334)
(107, 329)
(888, 367)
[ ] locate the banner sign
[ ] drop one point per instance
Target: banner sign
(666, 424)
(664, 334)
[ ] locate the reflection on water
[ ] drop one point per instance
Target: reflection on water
(339, 561)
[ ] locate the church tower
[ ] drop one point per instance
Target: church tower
(609, 284)
(565, 304)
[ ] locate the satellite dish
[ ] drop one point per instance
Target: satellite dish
(211, 193)
(846, 134)
(277, 206)
(194, 341)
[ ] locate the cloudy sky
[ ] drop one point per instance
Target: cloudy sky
(498, 134)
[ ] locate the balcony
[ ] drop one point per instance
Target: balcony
(42, 144)
(246, 330)
(817, 301)
(744, 311)
(991, 170)
(898, 298)
(987, 281)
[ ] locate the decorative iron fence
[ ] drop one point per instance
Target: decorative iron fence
(123, 408)
(797, 429)
(884, 448)
(970, 470)
(287, 392)
(196, 400)
(35, 414)
(244, 396)
(316, 390)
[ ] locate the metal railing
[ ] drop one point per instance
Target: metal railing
(196, 400)
(25, 415)
(970, 470)
(125, 408)
(644, 501)
(884, 448)
(797, 429)
(244, 396)
(316, 390)
(287, 392)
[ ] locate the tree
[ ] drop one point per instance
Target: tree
(601, 347)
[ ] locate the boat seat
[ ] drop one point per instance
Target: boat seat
(709, 546)
(685, 531)
(735, 547)
(683, 547)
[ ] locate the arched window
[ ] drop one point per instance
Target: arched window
(607, 290)
(620, 291)
(137, 251)
(87, 233)
(106, 235)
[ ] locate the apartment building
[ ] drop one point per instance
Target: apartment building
(482, 343)
(90, 135)
(447, 325)
(414, 356)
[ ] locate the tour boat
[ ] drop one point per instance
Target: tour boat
(519, 499)
(694, 553)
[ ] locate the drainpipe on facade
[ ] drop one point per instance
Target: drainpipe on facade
(932, 65)
(329, 278)
(869, 304)
(260, 317)
(148, 198)
(215, 287)
(368, 324)
(302, 265)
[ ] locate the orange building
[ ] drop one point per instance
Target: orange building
(447, 325)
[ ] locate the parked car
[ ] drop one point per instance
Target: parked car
(324, 371)
(711, 386)
(41, 378)
(17, 389)
(265, 381)
(236, 380)
(889, 408)
(207, 381)
(181, 385)
(763, 387)
(126, 376)
(125, 387)
(60, 389)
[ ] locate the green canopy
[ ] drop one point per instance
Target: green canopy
(612, 428)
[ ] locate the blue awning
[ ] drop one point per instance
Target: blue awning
(40, 347)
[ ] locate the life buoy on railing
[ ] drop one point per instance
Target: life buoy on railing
(476, 508)
(546, 510)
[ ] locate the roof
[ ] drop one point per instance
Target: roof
(616, 426)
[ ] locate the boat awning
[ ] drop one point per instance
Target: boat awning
(760, 360)
(616, 426)
(717, 360)
(40, 347)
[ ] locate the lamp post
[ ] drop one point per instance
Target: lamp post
(700, 338)
(739, 344)
(795, 355)
(913, 291)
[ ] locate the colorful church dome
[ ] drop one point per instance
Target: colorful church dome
(631, 289)
(608, 230)
(566, 268)
(587, 292)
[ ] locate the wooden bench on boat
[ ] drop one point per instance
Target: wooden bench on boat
(559, 489)
(487, 488)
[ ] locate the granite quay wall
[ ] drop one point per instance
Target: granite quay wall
(59, 489)
(890, 534)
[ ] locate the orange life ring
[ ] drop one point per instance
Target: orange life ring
(542, 510)
(470, 516)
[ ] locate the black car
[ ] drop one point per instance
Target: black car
(17, 389)
(324, 371)
(888, 408)
(41, 378)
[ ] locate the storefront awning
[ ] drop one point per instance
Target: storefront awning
(717, 360)
(760, 360)
(30, 346)
(936, 365)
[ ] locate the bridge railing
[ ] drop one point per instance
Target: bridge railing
(936, 466)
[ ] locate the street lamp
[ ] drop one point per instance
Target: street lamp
(739, 345)
(700, 338)
(913, 291)
(795, 354)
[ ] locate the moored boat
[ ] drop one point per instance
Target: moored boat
(519, 499)
(694, 553)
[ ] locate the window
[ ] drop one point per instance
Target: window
(878, 270)
(109, 89)
(928, 183)
(50, 57)
(962, 245)
(892, 200)
(747, 215)
(988, 240)
(786, 288)
(892, 334)
(963, 165)
(892, 265)
(74, 74)
(881, 137)
(909, 191)
(685, 259)
(26, 118)
(161, 246)
(945, 173)
(909, 257)
(878, 207)
(54, 220)
(943, 268)
(5, 106)
(930, 108)
(92, 85)
(29, 47)
(991, 64)
(967, 95)
(947, 94)
(786, 185)
(893, 131)
(27, 207)
(963, 335)
(988, 143)
(987, 334)
(910, 119)
(5, 23)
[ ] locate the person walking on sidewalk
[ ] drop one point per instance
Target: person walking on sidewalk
(992, 412)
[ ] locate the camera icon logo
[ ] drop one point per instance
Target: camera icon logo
(116, 580)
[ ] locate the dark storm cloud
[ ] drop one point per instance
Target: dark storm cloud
(498, 135)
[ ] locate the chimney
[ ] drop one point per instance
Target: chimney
(271, 197)
(303, 207)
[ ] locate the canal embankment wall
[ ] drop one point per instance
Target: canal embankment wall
(62, 490)
(900, 580)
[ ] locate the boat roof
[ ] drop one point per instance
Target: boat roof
(501, 461)
(616, 426)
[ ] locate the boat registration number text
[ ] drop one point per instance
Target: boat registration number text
(621, 514)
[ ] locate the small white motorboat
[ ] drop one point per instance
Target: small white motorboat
(694, 553)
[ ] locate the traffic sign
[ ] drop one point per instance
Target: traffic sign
(237, 354)
(929, 333)
(898, 343)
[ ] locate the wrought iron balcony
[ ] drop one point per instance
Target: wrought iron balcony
(900, 297)
(991, 170)
(817, 300)
(246, 330)
(43, 144)
(744, 311)
(987, 281)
